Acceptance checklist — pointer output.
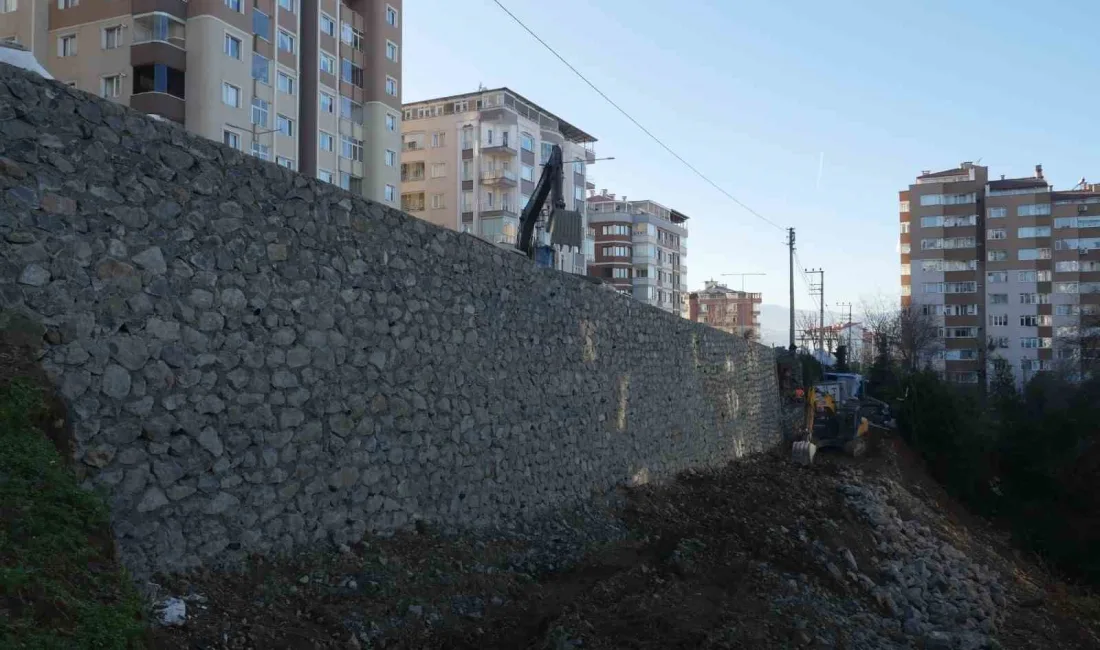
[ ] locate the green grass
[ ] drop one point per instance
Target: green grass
(59, 584)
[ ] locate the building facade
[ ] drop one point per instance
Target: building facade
(1007, 267)
(313, 85)
(736, 312)
(471, 162)
(640, 248)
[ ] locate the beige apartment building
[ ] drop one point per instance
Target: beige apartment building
(313, 85)
(1008, 267)
(640, 248)
(470, 163)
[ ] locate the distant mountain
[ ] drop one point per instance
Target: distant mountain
(775, 322)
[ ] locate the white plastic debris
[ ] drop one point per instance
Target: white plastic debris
(173, 612)
(21, 58)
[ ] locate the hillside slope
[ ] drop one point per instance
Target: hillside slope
(845, 554)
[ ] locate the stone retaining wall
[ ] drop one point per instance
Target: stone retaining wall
(258, 361)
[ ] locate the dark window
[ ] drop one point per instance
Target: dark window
(351, 73)
(158, 78)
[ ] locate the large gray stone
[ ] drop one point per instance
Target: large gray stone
(116, 381)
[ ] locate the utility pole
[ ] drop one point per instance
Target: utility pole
(790, 247)
(819, 291)
(849, 306)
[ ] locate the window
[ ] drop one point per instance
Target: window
(324, 175)
(547, 147)
(287, 83)
(231, 95)
(1029, 320)
(439, 170)
(231, 139)
(1067, 310)
(998, 298)
(328, 64)
(1028, 298)
(261, 24)
(905, 227)
(906, 270)
(1030, 342)
(905, 248)
(260, 110)
(261, 151)
(112, 37)
(1033, 210)
(351, 148)
(285, 125)
(351, 73)
(969, 377)
(960, 332)
(1026, 276)
(328, 103)
(350, 110)
(906, 290)
(1033, 254)
(996, 234)
(467, 137)
(325, 141)
(903, 206)
(467, 201)
(997, 255)
(997, 213)
(232, 46)
(616, 251)
(288, 5)
(997, 277)
(110, 87)
(351, 36)
(439, 139)
(930, 222)
(285, 162)
(1033, 231)
(960, 287)
(391, 16)
(391, 158)
(617, 230)
(391, 86)
(286, 42)
(391, 193)
(159, 78)
(66, 45)
(999, 341)
(328, 25)
(351, 183)
(261, 68)
(948, 199)
(1066, 287)
(998, 320)
(960, 355)
(437, 201)
(235, 5)
(67, 4)
(526, 142)
(527, 172)
(8, 6)
(391, 51)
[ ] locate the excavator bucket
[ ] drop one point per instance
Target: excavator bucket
(803, 452)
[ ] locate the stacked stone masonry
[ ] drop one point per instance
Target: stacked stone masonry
(258, 362)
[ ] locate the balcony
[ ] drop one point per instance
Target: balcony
(499, 209)
(412, 177)
(412, 206)
(412, 145)
(412, 172)
(502, 177)
(499, 147)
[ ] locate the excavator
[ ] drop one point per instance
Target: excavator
(560, 227)
(838, 415)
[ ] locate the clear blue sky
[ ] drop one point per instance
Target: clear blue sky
(753, 93)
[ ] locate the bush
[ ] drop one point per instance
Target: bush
(59, 580)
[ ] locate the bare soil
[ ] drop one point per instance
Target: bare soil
(705, 566)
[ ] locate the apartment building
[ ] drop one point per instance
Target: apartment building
(640, 248)
(736, 312)
(470, 162)
(1008, 267)
(296, 82)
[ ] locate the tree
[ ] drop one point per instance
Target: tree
(907, 333)
(808, 326)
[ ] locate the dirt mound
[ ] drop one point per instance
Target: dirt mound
(844, 554)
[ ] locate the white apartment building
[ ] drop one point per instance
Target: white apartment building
(471, 162)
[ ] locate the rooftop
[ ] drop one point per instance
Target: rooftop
(571, 133)
(1017, 183)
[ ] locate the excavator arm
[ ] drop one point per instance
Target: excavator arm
(549, 186)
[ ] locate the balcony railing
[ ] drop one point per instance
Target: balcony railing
(412, 207)
(405, 178)
(498, 176)
(499, 147)
(497, 208)
(412, 146)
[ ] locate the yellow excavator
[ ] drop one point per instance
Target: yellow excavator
(836, 417)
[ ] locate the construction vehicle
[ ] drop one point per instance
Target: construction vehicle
(838, 416)
(542, 232)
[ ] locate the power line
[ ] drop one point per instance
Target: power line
(636, 122)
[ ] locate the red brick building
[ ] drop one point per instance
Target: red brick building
(727, 309)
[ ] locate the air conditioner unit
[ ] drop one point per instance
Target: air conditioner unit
(1082, 251)
(1082, 208)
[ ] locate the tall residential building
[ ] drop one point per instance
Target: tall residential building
(470, 162)
(640, 248)
(1009, 267)
(736, 312)
(313, 85)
